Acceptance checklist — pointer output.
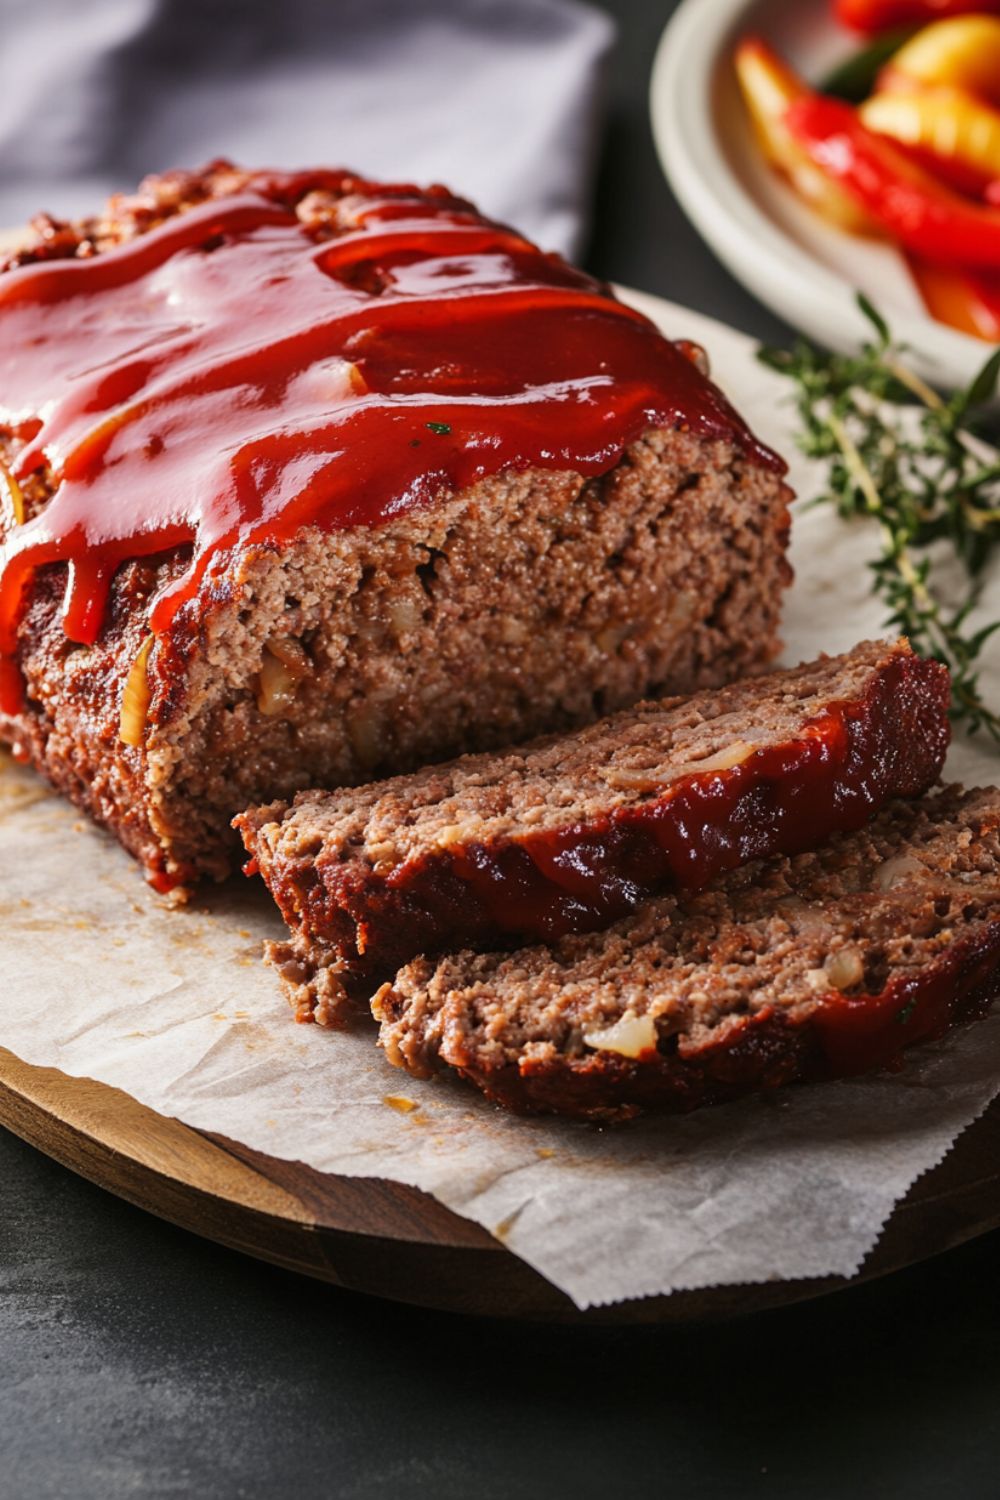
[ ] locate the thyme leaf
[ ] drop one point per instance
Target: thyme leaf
(919, 467)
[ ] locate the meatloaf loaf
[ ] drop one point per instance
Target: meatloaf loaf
(794, 968)
(307, 479)
(569, 833)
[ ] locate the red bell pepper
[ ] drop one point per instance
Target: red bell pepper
(923, 215)
(967, 300)
(769, 86)
(873, 16)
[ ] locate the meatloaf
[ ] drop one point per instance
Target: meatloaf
(799, 967)
(306, 479)
(569, 833)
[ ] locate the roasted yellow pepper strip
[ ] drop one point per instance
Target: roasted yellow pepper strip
(945, 124)
(962, 53)
(769, 87)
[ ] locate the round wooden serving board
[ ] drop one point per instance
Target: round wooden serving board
(393, 1241)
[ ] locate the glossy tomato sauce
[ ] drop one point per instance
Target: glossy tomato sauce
(236, 374)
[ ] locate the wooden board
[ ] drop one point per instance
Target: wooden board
(393, 1241)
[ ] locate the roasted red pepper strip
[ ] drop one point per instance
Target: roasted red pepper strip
(966, 300)
(769, 87)
(922, 214)
(872, 16)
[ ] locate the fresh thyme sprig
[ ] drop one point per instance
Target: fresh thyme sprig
(917, 465)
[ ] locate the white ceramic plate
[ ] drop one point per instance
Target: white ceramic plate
(803, 269)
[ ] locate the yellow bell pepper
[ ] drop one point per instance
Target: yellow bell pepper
(950, 130)
(769, 87)
(961, 53)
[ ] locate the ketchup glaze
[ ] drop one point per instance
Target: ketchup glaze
(236, 374)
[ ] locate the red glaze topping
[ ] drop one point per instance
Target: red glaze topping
(232, 376)
(860, 1032)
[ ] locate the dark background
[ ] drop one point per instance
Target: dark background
(137, 1360)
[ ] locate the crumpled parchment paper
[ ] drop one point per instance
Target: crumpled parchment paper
(98, 977)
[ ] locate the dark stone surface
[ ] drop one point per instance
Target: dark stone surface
(641, 237)
(138, 1360)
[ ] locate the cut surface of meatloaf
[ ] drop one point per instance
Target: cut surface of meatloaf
(505, 505)
(795, 968)
(569, 833)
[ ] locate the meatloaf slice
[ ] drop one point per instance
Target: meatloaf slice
(569, 833)
(520, 531)
(803, 967)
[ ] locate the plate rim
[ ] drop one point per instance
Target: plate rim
(757, 251)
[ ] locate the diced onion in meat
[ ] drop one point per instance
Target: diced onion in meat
(630, 1037)
(10, 495)
(283, 666)
(845, 969)
(135, 698)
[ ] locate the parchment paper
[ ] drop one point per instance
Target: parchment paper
(100, 978)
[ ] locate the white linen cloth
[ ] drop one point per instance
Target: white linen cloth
(500, 99)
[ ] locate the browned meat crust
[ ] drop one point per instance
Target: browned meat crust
(571, 833)
(529, 603)
(789, 970)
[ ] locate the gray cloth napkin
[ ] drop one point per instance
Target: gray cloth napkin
(500, 99)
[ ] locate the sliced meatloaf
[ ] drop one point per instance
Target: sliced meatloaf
(305, 480)
(794, 968)
(569, 833)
